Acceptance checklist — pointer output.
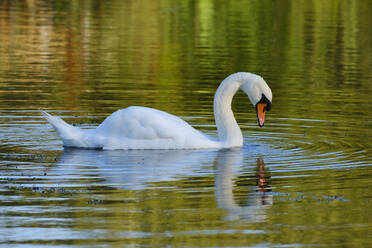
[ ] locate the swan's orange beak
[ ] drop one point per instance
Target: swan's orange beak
(261, 111)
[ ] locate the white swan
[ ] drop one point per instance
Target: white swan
(147, 128)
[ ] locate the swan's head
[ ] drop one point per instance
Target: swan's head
(259, 93)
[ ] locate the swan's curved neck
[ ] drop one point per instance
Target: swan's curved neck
(228, 129)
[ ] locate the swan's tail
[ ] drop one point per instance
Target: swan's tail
(70, 135)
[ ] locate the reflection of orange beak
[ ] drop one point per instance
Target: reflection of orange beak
(261, 111)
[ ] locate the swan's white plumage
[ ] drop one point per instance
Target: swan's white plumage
(134, 128)
(147, 128)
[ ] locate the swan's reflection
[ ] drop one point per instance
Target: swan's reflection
(139, 169)
(132, 169)
(258, 198)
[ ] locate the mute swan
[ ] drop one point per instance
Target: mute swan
(147, 128)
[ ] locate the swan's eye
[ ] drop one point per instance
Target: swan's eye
(267, 107)
(266, 102)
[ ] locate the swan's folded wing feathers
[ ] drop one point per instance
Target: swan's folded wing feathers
(141, 123)
(155, 124)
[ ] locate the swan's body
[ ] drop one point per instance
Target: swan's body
(135, 128)
(147, 128)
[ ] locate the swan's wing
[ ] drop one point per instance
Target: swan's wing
(143, 123)
(141, 127)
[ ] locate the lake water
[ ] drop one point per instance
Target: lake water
(304, 180)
